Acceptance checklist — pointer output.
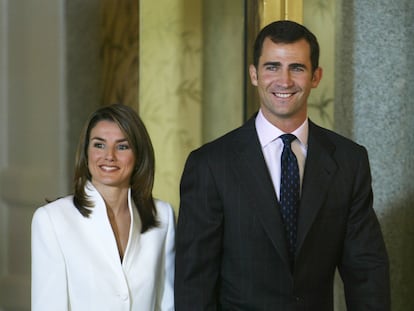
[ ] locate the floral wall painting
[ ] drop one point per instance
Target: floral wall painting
(120, 51)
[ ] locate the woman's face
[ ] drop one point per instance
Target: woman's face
(111, 161)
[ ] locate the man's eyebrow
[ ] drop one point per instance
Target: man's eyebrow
(271, 64)
(297, 65)
(278, 64)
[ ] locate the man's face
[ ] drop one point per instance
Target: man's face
(284, 80)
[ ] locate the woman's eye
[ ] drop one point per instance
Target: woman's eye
(123, 147)
(99, 145)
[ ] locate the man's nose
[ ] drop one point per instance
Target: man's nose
(285, 78)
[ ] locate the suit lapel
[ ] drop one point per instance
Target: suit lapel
(319, 170)
(250, 165)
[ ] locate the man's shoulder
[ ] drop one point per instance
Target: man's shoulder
(331, 135)
(335, 143)
(231, 138)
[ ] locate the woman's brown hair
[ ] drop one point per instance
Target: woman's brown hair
(142, 179)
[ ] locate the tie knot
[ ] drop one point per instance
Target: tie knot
(287, 139)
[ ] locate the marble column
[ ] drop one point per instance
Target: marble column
(374, 106)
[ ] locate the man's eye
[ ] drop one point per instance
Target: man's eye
(123, 147)
(271, 68)
(297, 69)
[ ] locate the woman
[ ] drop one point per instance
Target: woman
(110, 245)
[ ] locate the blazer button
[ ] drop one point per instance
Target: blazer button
(124, 297)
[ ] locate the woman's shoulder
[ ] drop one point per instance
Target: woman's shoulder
(165, 211)
(61, 207)
(59, 203)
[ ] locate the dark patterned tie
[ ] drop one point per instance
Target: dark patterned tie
(289, 192)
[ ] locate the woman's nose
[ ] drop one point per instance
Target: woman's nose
(110, 154)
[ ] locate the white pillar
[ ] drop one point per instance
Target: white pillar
(33, 129)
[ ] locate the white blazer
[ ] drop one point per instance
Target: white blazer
(76, 264)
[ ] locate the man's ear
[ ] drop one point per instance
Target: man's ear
(253, 74)
(316, 77)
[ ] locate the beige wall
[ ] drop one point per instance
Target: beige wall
(319, 17)
(223, 70)
(170, 86)
(191, 76)
(191, 79)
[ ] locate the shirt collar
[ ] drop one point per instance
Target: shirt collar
(267, 132)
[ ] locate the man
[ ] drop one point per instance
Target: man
(262, 228)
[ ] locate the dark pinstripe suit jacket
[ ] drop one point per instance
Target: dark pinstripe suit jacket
(231, 252)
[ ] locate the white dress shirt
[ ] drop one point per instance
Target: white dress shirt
(272, 147)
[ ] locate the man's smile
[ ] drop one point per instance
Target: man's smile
(283, 95)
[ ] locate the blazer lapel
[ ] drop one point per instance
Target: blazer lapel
(101, 231)
(319, 170)
(133, 246)
(250, 165)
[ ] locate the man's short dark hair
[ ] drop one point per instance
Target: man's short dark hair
(285, 31)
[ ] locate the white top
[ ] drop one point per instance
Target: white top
(272, 147)
(76, 264)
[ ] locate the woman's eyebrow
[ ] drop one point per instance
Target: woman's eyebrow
(103, 139)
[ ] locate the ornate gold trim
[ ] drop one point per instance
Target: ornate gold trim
(271, 10)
